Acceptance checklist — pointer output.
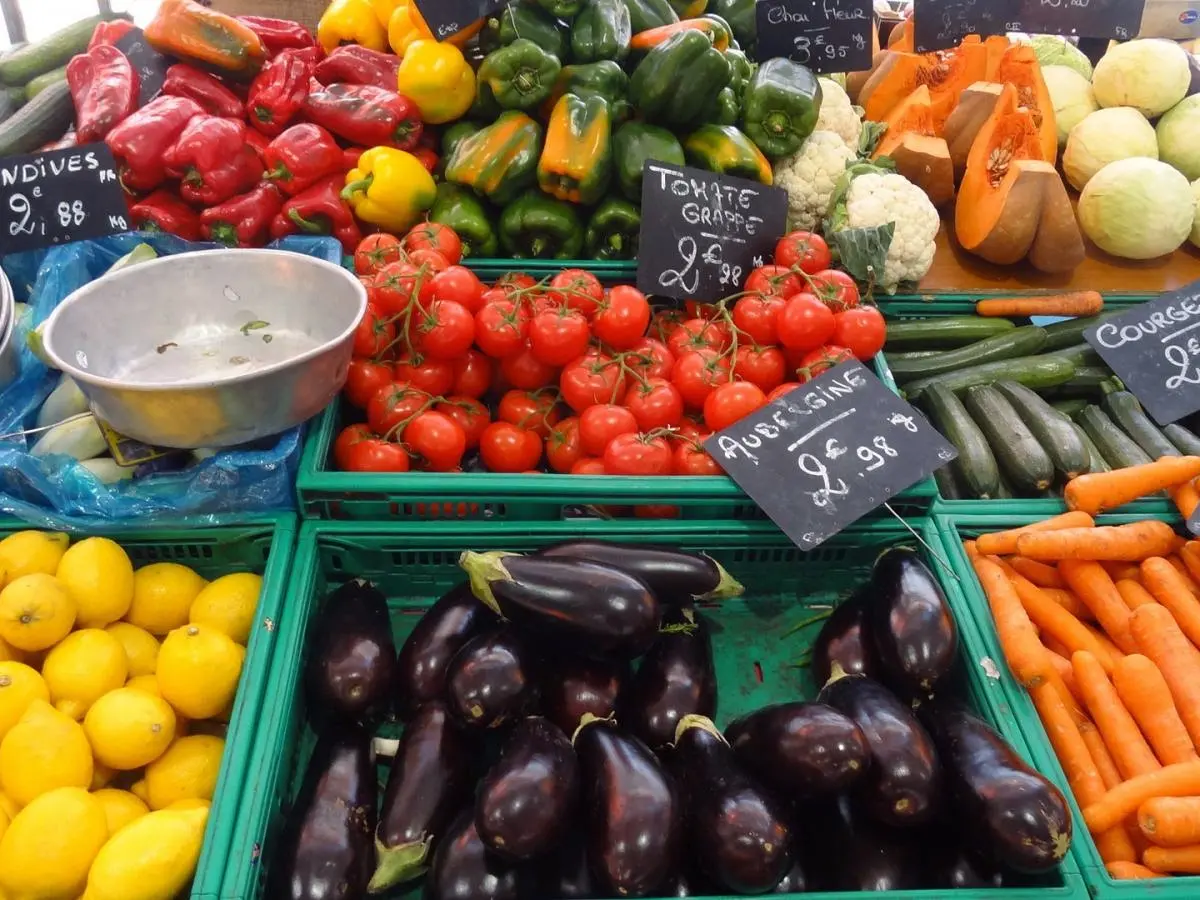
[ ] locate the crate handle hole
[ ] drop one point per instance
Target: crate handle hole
(758, 672)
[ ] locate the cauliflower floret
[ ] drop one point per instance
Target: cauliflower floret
(874, 200)
(809, 176)
(837, 113)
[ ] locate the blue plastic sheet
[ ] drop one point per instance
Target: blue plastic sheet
(57, 492)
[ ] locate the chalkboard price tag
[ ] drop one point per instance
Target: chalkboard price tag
(825, 35)
(59, 196)
(703, 233)
(447, 18)
(1155, 349)
(829, 452)
(150, 65)
(938, 24)
(1193, 522)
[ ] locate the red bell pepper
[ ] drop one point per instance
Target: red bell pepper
(213, 160)
(319, 209)
(110, 32)
(352, 64)
(214, 98)
(243, 221)
(258, 143)
(104, 87)
(366, 115)
(163, 211)
(350, 157)
(278, 92)
(278, 35)
(302, 156)
(138, 143)
(428, 158)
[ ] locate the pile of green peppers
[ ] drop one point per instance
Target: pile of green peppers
(574, 96)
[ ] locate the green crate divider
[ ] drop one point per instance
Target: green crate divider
(1017, 716)
(606, 270)
(753, 647)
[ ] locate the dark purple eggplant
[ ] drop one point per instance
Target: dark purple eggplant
(567, 874)
(631, 813)
(526, 801)
(675, 576)
(911, 625)
(844, 640)
(352, 664)
(429, 782)
(591, 609)
(862, 855)
(794, 880)
(463, 869)
(1009, 811)
(954, 866)
(442, 630)
(801, 749)
(577, 687)
(491, 679)
(676, 679)
(327, 850)
(902, 785)
(738, 834)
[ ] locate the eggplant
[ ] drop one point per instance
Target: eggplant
(442, 630)
(1010, 812)
(526, 802)
(577, 687)
(568, 874)
(794, 880)
(491, 679)
(327, 850)
(954, 866)
(902, 786)
(675, 679)
(429, 782)
(463, 869)
(591, 609)
(844, 639)
(675, 576)
(631, 812)
(801, 749)
(737, 832)
(352, 664)
(911, 625)
(862, 855)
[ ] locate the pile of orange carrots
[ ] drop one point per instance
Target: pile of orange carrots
(1101, 624)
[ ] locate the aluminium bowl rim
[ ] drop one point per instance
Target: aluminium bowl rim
(102, 381)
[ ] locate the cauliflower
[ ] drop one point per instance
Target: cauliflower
(838, 113)
(809, 177)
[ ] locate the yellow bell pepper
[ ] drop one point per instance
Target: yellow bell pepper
(384, 9)
(407, 25)
(351, 22)
(389, 188)
(438, 78)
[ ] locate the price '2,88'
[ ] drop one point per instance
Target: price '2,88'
(71, 213)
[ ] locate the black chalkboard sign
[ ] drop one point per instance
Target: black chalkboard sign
(938, 24)
(150, 65)
(703, 233)
(825, 35)
(1193, 522)
(829, 452)
(1155, 349)
(448, 17)
(59, 196)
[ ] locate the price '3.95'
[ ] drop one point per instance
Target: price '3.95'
(729, 276)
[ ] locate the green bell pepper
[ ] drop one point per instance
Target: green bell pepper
(602, 30)
(742, 69)
(689, 9)
(636, 142)
(454, 134)
(458, 209)
(535, 226)
(484, 109)
(613, 230)
(724, 149)
(560, 9)
(599, 79)
(780, 106)
(523, 20)
(647, 14)
(576, 163)
(677, 79)
(520, 75)
(741, 17)
(723, 109)
(500, 161)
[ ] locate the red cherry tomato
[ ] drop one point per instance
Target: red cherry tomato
(393, 405)
(535, 411)
(860, 330)
(730, 402)
(471, 415)
(347, 438)
(650, 358)
(699, 334)
(562, 447)
(696, 373)
(374, 334)
(430, 262)
(774, 281)
(374, 454)
(637, 454)
(601, 423)
(444, 330)
(689, 458)
(501, 328)
(835, 289)
(515, 282)
(524, 371)
(805, 323)
(763, 366)
(437, 439)
(364, 378)
(593, 378)
(588, 465)
(665, 321)
(757, 317)
(398, 284)
(803, 250)
(434, 376)
(655, 403)
(622, 318)
(459, 284)
(374, 252)
(784, 388)
(557, 336)
(576, 289)
(504, 447)
(434, 236)
(824, 358)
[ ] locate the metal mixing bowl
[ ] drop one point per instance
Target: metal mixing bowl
(209, 349)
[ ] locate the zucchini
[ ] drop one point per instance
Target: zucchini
(975, 469)
(1052, 429)
(1185, 440)
(35, 58)
(943, 333)
(1065, 334)
(1069, 408)
(1088, 384)
(43, 119)
(43, 81)
(914, 354)
(947, 484)
(1122, 407)
(1117, 448)
(1024, 341)
(1005, 491)
(1096, 462)
(1022, 458)
(1036, 372)
(1082, 355)
(11, 99)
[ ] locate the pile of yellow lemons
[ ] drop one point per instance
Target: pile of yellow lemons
(114, 689)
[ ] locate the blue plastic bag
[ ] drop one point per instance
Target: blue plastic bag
(58, 492)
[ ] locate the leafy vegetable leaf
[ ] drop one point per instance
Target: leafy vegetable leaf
(863, 251)
(869, 137)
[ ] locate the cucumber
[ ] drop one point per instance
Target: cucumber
(1065, 334)
(1036, 372)
(22, 66)
(1185, 440)
(975, 469)
(1052, 429)
(943, 333)
(1024, 341)
(43, 119)
(1117, 448)
(1122, 407)
(1021, 457)
(43, 81)
(1069, 408)
(1096, 461)
(1082, 355)
(947, 484)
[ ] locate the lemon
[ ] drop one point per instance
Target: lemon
(27, 552)
(7, 651)
(19, 686)
(36, 612)
(82, 668)
(228, 605)
(51, 844)
(102, 775)
(128, 728)
(162, 596)
(198, 670)
(139, 790)
(187, 771)
(120, 808)
(4, 820)
(43, 751)
(98, 575)
(191, 804)
(147, 683)
(9, 807)
(152, 858)
(141, 647)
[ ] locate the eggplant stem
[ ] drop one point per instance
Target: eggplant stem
(704, 723)
(811, 620)
(386, 747)
(399, 864)
(727, 586)
(587, 719)
(482, 569)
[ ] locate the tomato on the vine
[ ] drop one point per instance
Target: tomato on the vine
(363, 378)
(501, 328)
(347, 438)
(445, 330)
(588, 465)
(557, 336)
(471, 415)
(763, 366)
(358, 450)
(689, 458)
(699, 334)
(535, 411)
(650, 358)
(398, 284)
(822, 359)
(860, 330)
(803, 250)
(637, 454)
(783, 389)
(655, 403)
(601, 423)
(430, 262)
(504, 447)
(622, 318)
(434, 236)
(835, 289)
(434, 376)
(375, 251)
(472, 374)
(437, 439)
(562, 447)
(374, 334)
(757, 316)
(576, 289)
(523, 370)
(665, 321)
(731, 402)
(805, 323)
(393, 405)
(514, 283)
(696, 373)
(593, 378)
(774, 281)
(458, 283)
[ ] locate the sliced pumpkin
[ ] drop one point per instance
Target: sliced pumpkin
(975, 106)
(901, 37)
(1058, 246)
(1019, 66)
(996, 45)
(919, 154)
(913, 114)
(947, 73)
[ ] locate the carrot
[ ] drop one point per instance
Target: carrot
(1041, 574)
(1023, 651)
(1004, 543)
(1124, 871)
(1062, 666)
(970, 548)
(1177, 563)
(1056, 622)
(1173, 860)
(1170, 821)
(1190, 554)
(1118, 570)
(1178, 780)
(1069, 602)
(1105, 764)
(1161, 580)
(1144, 692)
(1131, 543)
(1072, 303)
(1158, 637)
(1097, 491)
(1092, 585)
(1134, 594)
(1186, 498)
(1129, 749)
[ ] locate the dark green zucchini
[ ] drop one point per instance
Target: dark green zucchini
(1096, 461)
(1005, 490)
(1087, 384)
(1185, 440)
(1117, 448)
(947, 484)
(1081, 355)
(1052, 429)
(914, 354)
(43, 119)
(1024, 341)
(1036, 372)
(1123, 408)
(1070, 332)
(43, 81)
(1018, 452)
(943, 333)
(11, 99)
(22, 66)
(975, 469)
(1069, 408)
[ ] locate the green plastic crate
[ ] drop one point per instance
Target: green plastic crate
(755, 648)
(606, 270)
(1017, 715)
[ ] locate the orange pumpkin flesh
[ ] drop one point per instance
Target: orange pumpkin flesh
(1019, 66)
(996, 46)
(901, 37)
(912, 114)
(975, 107)
(947, 73)
(919, 154)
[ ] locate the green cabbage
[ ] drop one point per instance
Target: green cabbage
(1072, 96)
(1053, 50)
(1195, 235)
(1104, 137)
(1137, 209)
(1150, 75)
(1179, 137)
